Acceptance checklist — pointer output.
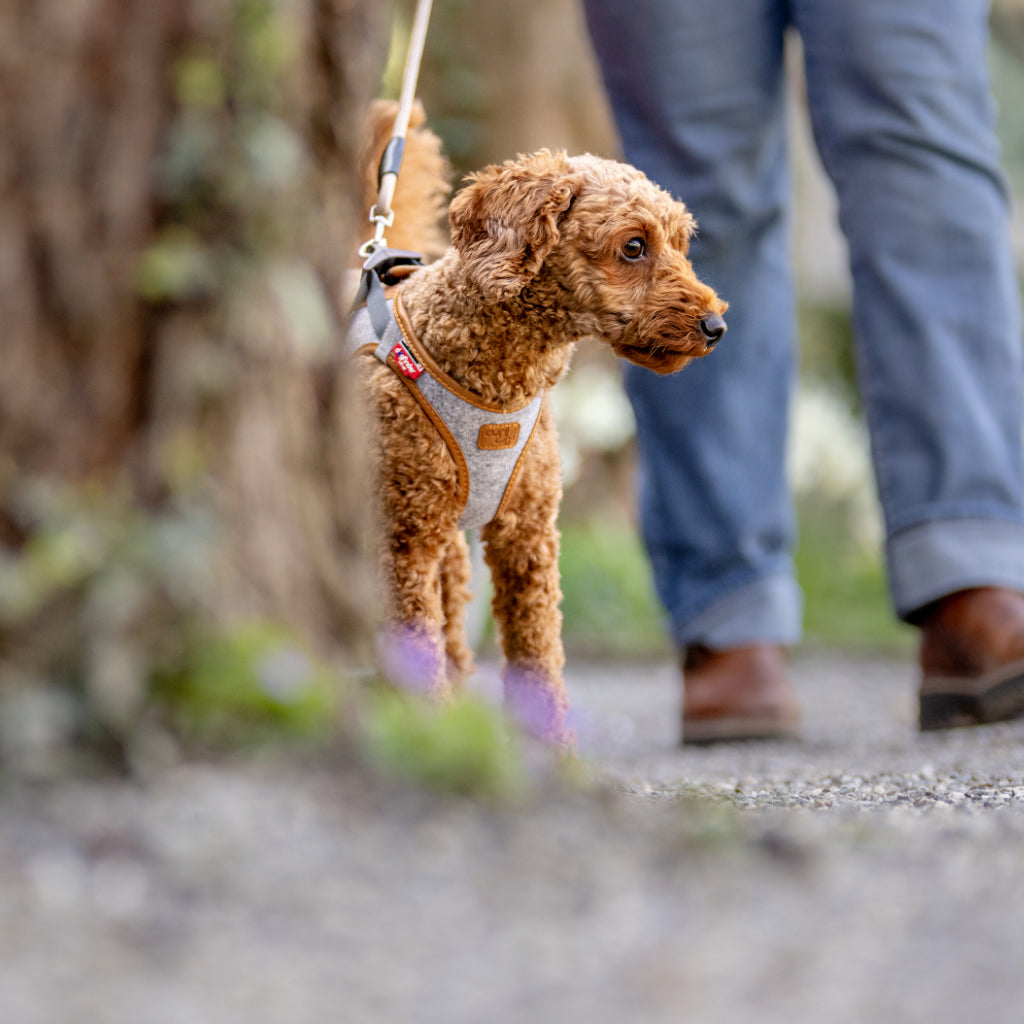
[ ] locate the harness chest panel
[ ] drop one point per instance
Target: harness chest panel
(486, 444)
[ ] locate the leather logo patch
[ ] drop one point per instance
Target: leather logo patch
(496, 436)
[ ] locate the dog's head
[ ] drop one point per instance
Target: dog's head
(599, 238)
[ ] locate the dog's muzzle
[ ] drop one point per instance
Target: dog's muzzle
(712, 327)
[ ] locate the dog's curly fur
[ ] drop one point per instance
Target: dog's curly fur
(543, 254)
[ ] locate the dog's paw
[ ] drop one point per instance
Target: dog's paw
(412, 658)
(538, 705)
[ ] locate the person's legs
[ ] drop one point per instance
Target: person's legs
(905, 123)
(697, 90)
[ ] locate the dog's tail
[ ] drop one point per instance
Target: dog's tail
(424, 181)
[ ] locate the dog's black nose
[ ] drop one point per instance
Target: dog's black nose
(713, 327)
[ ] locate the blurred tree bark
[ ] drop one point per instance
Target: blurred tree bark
(501, 79)
(1007, 26)
(177, 443)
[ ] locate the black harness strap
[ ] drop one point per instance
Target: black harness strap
(378, 271)
(376, 274)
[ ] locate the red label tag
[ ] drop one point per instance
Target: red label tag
(405, 362)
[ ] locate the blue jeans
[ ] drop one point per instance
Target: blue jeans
(904, 122)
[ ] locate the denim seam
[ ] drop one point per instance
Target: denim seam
(937, 518)
(916, 590)
(727, 607)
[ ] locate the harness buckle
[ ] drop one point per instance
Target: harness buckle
(377, 271)
(380, 260)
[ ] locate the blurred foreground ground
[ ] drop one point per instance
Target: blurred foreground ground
(866, 874)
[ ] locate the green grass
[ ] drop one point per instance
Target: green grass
(846, 600)
(463, 747)
(611, 610)
(249, 686)
(609, 603)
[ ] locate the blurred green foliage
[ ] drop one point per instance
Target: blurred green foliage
(1006, 66)
(138, 674)
(230, 164)
(846, 600)
(609, 606)
(462, 747)
(611, 610)
(102, 596)
(827, 354)
(247, 686)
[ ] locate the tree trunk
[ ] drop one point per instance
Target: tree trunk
(501, 78)
(178, 447)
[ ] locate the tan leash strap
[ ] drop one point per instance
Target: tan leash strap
(381, 215)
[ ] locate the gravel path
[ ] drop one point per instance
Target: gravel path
(864, 875)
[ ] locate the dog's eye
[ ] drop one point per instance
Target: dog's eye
(634, 249)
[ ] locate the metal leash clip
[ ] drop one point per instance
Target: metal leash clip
(380, 222)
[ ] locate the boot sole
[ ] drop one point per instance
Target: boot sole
(953, 703)
(730, 730)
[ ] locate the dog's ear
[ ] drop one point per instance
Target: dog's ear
(506, 220)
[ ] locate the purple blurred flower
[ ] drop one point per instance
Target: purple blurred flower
(412, 660)
(538, 708)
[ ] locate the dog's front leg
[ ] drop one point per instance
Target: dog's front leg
(521, 549)
(417, 513)
(414, 647)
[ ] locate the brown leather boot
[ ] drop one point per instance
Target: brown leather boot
(972, 658)
(739, 694)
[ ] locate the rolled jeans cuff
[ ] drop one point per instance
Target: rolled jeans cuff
(942, 556)
(767, 610)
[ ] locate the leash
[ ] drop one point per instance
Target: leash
(381, 214)
(380, 261)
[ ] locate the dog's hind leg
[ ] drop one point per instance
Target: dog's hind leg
(456, 571)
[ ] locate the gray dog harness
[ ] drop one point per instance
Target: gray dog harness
(486, 441)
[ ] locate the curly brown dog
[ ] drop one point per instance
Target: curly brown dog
(546, 250)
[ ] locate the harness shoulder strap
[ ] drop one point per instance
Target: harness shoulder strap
(377, 273)
(378, 270)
